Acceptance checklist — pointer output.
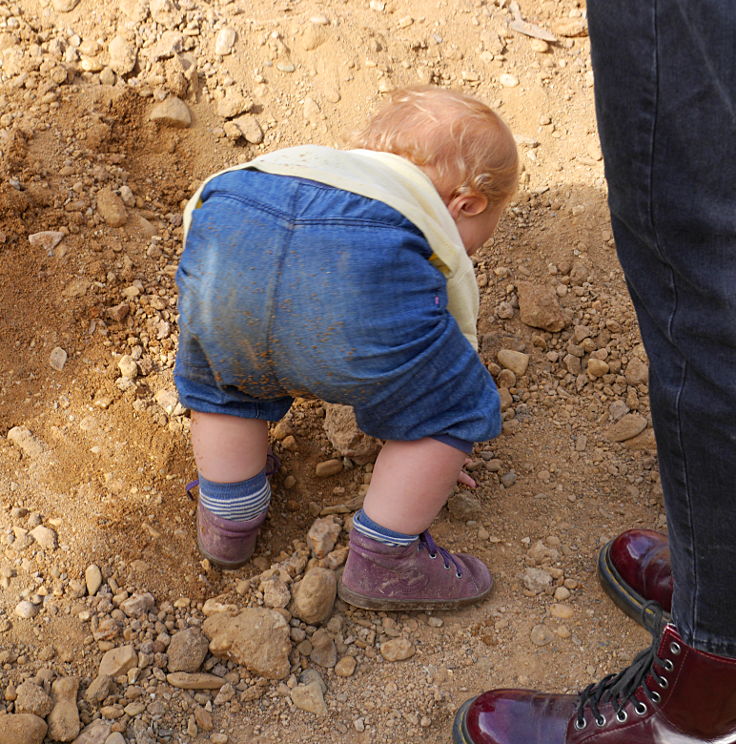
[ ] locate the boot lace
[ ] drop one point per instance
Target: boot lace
(619, 689)
(427, 542)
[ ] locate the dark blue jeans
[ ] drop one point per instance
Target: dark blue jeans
(665, 74)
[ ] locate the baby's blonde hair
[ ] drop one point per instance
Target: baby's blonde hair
(458, 137)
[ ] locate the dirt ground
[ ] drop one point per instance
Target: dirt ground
(98, 451)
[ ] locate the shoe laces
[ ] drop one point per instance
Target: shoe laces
(427, 542)
(618, 689)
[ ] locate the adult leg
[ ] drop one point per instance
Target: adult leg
(665, 82)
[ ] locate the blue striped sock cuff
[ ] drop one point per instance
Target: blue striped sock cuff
(368, 528)
(239, 501)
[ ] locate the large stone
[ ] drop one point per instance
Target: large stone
(111, 208)
(195, 681)
(96, 733)
(225, 41)
(516, 361)
(64, 723)
(25, 441)
(22, 728)
(348, 440)
(64, 6)
(123, 55)
(637, 372)
(539, 307)
(33, 699)
(626, 427)
(172, 112)
(314, 596)
(138, 605)
(255, 638)
(324, 650)
(310, 698)
(118, 661)
(187, 650)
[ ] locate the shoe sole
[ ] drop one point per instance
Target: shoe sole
(623, 596)
(460, 733)
(365, 602)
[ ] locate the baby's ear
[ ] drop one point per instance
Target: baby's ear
(467, 205)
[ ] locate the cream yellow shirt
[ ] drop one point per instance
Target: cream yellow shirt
(400, 184)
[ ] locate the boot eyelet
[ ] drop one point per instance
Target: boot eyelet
(622, 716)
(600, 722)
(675, 648)
(458, 575)
(663, 683)
(668, 665)
(432, 555)
(641, 708)
(656, 697)
(580, 724)
(447, 566)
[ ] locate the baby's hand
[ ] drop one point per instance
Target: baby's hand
(464, 479)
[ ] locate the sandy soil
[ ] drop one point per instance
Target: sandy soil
(105, 457)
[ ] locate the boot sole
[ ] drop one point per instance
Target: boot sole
(623, 596)
(365, 602)
(460, 733)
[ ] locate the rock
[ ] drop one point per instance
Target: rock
(324, 651)
(93, 579)
(57, 358)
(256, 638)
(169, 45)
(64, 723)
(348, 440)
(118, 661)
(571, 27)
(45, 537)
(464, 506)
(637, 372)
(249, 128)
(187, 650)
(99, 688)
(541, 635)
(597, 367)
(25, 441)
(47, 240)
(138, 605)
(540, 553)
(346, 666)
(314, 596)
(172, 112)
(516, 361)
(626, 427)
(22, 728)
(166, 13)
(275, 593)
(397, 649)
(323, 535)
(98, 732)
(561, 611)
(233, 103)
(128, 367)
(643, 441)
(310, 698)
(64, 6)
(225, 41)
(123, 55)
(195, 681)
(508, 80)
(326, 468)
(26, 609)
(536, 580)
(111, 208)
(32, 699)
(539, 307)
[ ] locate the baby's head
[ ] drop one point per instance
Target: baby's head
(464, 147)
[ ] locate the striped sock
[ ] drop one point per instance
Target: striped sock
(239, 501)
(367, 527)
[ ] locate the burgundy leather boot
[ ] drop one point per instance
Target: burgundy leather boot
(634, 568)
(671, 694)
(420, 576)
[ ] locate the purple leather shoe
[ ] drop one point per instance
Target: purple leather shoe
(420, 576)
(226, 543)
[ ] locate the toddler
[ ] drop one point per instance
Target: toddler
(345, 275)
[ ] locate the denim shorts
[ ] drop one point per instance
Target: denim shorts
(288, 287)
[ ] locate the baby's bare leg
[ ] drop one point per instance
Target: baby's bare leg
(411, 482)
(228, 449)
